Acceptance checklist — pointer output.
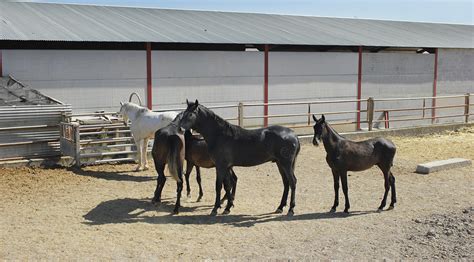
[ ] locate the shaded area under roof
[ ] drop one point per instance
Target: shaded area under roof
(86, 23)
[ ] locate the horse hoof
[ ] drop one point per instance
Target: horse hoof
(390, 208)
(138, 169)
(155, 201)
(333, 210)
(346, 211)
(199, 199)
(213, 213)
(379, 210)
(290, 213)
(278, 211)
(175, 212)
(226, 212)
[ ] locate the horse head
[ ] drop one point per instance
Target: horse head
(189, 116)
(124, 112)
(318, 129)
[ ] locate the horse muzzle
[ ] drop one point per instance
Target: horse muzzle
(315, 141)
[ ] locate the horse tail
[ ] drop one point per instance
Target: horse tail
(175, 162)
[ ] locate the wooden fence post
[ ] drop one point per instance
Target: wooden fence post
(241, 114)
(309, 114)
(370, 112)
(466, 108)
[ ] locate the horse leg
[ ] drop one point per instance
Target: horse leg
(228, 192)
(145, 154)
(220, 175)
(233, 181)
(198, 179)
(160, 182)
(292, 182)
(286, 188)
(343, 176)
(139, 154)
(179, 189)
(394, 194)
(335, 176)
(386, 174)
(189, 169)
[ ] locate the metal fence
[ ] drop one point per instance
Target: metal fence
(31, 131)
(111, 141)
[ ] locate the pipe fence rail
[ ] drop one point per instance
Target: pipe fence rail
(111, 140)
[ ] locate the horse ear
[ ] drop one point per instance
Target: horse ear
(315, 119)
(187, 102)
(196, 102)
(323, 119)
(121, 103)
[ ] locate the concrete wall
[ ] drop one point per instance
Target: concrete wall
(455, 76)
(389, 75)
(310, 76)
(213, 77)
(93, 80)
(89, 80)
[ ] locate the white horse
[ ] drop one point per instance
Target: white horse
(144, 125)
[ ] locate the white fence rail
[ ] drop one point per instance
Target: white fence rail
(111, 141)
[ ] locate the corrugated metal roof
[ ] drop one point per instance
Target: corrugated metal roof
(66, 22)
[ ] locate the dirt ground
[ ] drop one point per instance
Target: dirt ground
(104, 212)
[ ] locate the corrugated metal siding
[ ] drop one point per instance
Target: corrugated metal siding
(30, 131)
(59, 22)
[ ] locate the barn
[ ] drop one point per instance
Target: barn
(93, 57)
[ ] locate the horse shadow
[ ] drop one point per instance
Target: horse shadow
(115, 176)
(128, 210)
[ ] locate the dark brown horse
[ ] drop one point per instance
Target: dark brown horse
(231, 145)
(197, 155)
(171, 147)
(344, 155)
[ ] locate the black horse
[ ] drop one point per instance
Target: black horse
(231, 145)
(344, 155)
(197, 155)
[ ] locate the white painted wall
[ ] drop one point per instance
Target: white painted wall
(309, 76)
(388, 75)
(212, 77)
(93, 80)
(89, 80)
(455, 76)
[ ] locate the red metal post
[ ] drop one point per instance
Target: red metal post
(435, 79)
(149, 100)
(1, 64)
(359, 87)
(265, 87)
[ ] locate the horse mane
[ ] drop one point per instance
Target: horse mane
(334, 131)
(226, 127)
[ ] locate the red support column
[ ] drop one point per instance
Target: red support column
(359, 87)
(1, 64)
(265, 87)
(149, 100)
(435, 79)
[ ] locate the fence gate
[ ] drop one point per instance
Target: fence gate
(96, 140)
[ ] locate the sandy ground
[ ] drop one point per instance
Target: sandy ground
(104, 212)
